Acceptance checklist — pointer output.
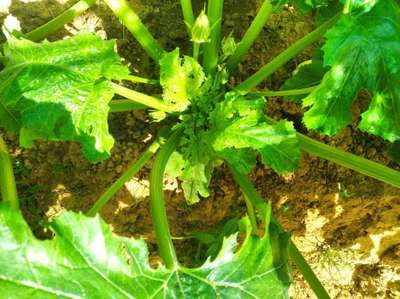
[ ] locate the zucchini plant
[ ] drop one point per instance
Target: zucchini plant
(64, 90)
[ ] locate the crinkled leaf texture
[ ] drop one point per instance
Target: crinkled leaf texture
(86, 260)
(235, 131)
(180, 79)
(239, 123)
(363, 52)
(60, 91)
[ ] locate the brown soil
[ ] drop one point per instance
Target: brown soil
(346, 224)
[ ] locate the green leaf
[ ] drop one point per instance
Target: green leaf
(243, 159)
(175, 165)
(363, 53)
(303, 5)
(307, 74)
(239, 123)
(180, 80)
(197, 169)
(60, 91)
(358, 6)
(195, 180)
(86, 260)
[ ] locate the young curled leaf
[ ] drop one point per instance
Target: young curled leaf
(181, 79)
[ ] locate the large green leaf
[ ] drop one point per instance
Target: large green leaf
(239, 123)
(60, 91)
(363, 53)
(86, 260)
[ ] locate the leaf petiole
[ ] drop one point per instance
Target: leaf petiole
(133, 169)
(251, 193)
(132, 21)
(285, 56)
(141, 98)
(283, 93)
(125, 105)
(359, 164)
(188, 16)
(59, 21)
(251, 35)
(157, 203)
(7, 180)
(137, 79)
(210, 55)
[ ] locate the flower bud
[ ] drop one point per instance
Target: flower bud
(201, 29)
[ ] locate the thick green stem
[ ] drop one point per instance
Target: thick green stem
(125, 105)
(158, 211)
(284, 93)
(59, 21)
(132, 21)
(196, 51)
(210, 56)
(284, 57)
(188, 15)
(305, 269)
(359, 164)
(251, 35)
(8, 187)
(133, 169)
(141, 98)
(252, 215)
(348, 160)
(137, 79)
(307, 272)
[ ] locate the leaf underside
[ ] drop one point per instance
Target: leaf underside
(86, 260)
(363, 52)
(60, 91)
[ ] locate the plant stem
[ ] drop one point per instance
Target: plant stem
(132, 21)
(196, 50)
(59, 21)
(306, 271)
(285, 56)
(158, 211)
(252, 215)
(133, 169)
(308, 274)
(283, 93)
(141, 98)
(142, 80)
(345, 159)
(210, 56)
(348, 160)
(188, 15)
(124, 105)
(8, 187)
(251, 35)
(248, 189)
